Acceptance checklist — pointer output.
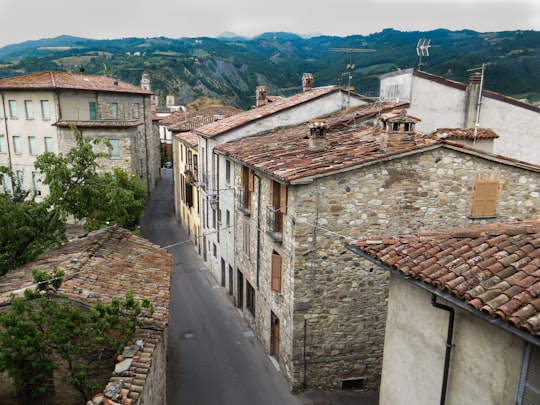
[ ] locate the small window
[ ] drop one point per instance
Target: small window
(486, 191)
(136, 110)
(32, 145)
(228, 171)
(276, 272)
(92, 110)
(20, 179)
(246, 239)
(45, 110)
(12, 109)
(114, 111)
(227, 218)
(17, 144)
(49, 146)
(36, 183)
(8, 187)
(114, 148)
(28, 109)
(250, 298)
(3, 145)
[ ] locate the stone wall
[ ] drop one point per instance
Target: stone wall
(332, 302)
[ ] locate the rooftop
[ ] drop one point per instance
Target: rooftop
(66, 80)
(494, 268)
(246, 117)
(350, 141)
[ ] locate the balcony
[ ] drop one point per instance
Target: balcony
(241, 201)
(274, 221)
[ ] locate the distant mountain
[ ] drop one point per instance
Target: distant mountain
(230, 67)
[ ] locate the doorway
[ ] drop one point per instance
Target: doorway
(274, 336)
(240, 290)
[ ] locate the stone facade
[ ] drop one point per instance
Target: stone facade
(332, 305)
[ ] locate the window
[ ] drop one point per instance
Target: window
(8, 187)
(45, 110)
(28, 110)
(486, 191)
(12, 109)
(246, 238)
(3, 146)
(278, 207)
(114, 148)
(92, 110)
(228, 171)
(136, 110)
(250, 298)
(529, 384)
(114, 111)
(248, 185)
(195, 167)
(32, 146)
(49, 147)
(276, 272)
(20, 178)
(17, 144)
(227, 218)
(36, 183)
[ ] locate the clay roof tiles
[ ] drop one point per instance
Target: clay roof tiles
(66, 80)
(495, 268)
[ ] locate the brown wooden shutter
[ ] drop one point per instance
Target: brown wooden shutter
(283, 198)
(276, 272)
(251, 184)
(486, 192)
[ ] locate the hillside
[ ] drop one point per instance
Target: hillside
(229, 68)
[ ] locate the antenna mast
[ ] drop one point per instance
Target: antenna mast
(477, 121)
(422, 49)
(350, 66)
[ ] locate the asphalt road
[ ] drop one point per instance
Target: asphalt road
(213, 358)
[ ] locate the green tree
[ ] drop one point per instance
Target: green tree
(78, 188)
(43, 332)
(28, 227)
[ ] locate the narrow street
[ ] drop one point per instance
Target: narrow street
(213, 357)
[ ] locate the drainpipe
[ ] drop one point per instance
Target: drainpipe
(7, 132)
(448, 345)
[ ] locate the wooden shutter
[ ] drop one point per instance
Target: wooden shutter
(251, 184)
(276, 272)
(283, 198)
(486, 192)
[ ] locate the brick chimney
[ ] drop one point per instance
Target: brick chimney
(260, 96)
(307, 81)
(472, 97)
(398, 129)
(317, 136)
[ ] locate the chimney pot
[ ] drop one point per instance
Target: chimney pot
(307, 81)
(260, 96)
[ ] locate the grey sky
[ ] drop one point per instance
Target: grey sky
(22, 20)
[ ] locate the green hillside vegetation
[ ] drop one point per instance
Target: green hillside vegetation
(230, 68)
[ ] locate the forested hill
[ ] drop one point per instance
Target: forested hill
(230, 68)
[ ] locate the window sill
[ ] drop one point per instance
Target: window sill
(482, 217)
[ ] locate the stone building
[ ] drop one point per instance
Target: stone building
(217, 190)
(304, 191)
(443, 103)
(104, 265)
(38, 109)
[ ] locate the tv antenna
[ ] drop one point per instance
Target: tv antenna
(422, 49)
(350, 66)
(479, 103)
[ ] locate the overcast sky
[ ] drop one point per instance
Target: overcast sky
(22, 20)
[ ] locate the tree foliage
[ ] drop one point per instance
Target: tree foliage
(79, 189)
(43, 332)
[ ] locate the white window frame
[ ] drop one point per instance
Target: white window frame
(12, 109)
(45, 110)
(17, 148)
(36, 182)
(20, 178)
(3, 144)
(8, 186)
(32, 145)
(28, 109)
(49, 144)
(114, 148)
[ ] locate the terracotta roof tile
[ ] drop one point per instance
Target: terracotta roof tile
(504, 280)
(65, 80)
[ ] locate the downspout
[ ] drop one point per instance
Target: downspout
(258, 254)
(449, 345)
(6, 128)
(148, 167)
